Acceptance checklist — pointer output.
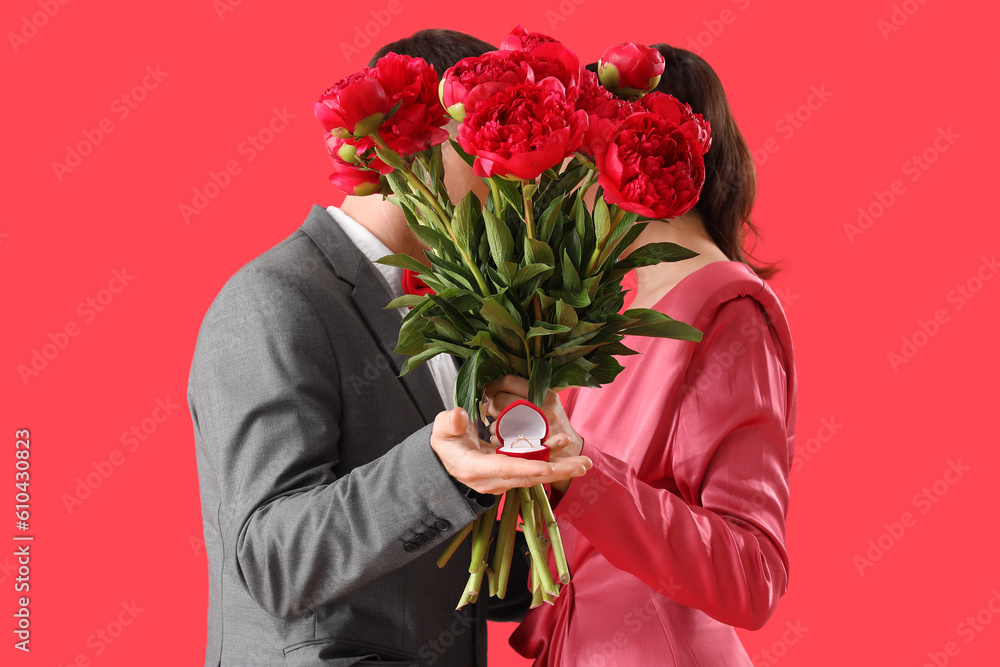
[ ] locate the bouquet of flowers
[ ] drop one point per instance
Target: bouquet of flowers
(527, 282)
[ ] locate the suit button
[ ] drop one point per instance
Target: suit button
(432, 533)
(420, 539)
(410, 547)
(442, 525)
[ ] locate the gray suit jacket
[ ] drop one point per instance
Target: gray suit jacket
(324, 506)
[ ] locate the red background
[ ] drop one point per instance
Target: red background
(851, 300)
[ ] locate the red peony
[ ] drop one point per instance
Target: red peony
(630, 70)
(651, 166)
(549, 57)
(354, 106)
(522, 130)
(418, 122)
(494, 67)
(605, 111)
(520, 39)
(675, 111)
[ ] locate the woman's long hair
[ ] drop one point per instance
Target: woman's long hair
(730, 189)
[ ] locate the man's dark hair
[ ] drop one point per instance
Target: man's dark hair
(440, 48)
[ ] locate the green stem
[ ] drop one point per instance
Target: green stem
(588, 182)
(552, 526)
(453, 545)
(529, 213)
(481, 544)
(538, 556)
(505, 540)
(497, 199)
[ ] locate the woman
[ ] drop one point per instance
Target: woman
(677, 533)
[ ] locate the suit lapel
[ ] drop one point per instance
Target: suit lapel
(370, 297)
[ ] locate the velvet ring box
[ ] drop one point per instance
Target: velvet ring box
(521, 428)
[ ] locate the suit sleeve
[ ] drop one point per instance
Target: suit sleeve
(265, 400)
(719, 541)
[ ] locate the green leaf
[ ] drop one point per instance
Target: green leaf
(391, 158)
(485, 340)
(546, 223)
(538, 383)
(511, 193)
(573, 374)
(564, 354)
(452, 313)
(411, 335)
(501, 242)
(440, 243)
(623, 226)
(461, 224)
(607, 368)
(582, 328)
(406, 301)
(495, 312)
(546, 329)
(526, 273)
(451, 348)
(602, 220)
(419, 358)
(618, 348)
(614, 250)
(568, 180)
(538, 252)
(650, 254)
(466, 384)
(570, 276)
(457, 273)
(566, 314)
(403, 261)
(508, 271)
(656, 324)
(579, 299)
(444, 329)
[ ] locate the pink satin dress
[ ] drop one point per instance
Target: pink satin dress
(677, 534)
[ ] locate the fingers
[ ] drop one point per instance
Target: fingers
(500, 401)
(492, 473)
(515, 386)
(452, 423)
(557, 442)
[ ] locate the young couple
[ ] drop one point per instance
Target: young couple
(329, 485)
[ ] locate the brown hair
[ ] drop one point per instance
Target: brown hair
(730, 189)
(440, 48)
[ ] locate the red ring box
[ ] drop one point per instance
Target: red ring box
(521, 428)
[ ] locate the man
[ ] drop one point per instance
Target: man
(326, 490)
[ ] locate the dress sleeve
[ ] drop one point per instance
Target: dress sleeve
(717, 536)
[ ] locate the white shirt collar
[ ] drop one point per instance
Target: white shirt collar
(372, 248)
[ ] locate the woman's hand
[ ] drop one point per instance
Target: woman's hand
(563, 441)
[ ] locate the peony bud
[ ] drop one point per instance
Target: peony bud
(354, 181)
(630, 70)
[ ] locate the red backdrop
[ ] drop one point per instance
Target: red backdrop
(873, 138)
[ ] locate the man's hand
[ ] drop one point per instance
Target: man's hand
(476, 464)
(564, 442)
